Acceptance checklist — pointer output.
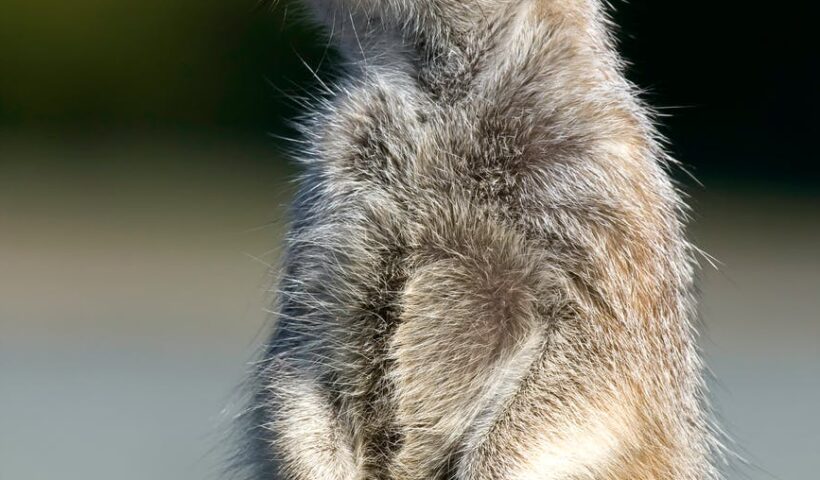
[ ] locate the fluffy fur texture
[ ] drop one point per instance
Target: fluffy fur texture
(486, 275)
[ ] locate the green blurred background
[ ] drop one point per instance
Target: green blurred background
(141, 204)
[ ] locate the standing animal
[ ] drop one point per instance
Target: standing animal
(486, 275)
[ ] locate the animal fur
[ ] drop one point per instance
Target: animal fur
(486, 275)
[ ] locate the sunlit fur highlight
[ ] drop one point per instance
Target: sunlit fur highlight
(486, 275)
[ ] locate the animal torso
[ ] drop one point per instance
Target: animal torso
(486, 275)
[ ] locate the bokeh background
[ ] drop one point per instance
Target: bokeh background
(141, 194)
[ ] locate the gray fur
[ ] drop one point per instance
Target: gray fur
(486, 276)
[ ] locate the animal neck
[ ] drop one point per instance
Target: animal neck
(440, 57)
(470, 49)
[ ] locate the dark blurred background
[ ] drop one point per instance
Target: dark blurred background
(141, 185)
(740, 84)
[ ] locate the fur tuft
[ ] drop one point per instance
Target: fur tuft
(486, 276)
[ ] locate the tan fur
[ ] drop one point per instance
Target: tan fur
(486, 276)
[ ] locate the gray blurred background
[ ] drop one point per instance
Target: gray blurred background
(141, 205)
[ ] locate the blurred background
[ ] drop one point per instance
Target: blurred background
(141, 193)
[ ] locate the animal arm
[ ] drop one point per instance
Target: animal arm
(486, 276)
